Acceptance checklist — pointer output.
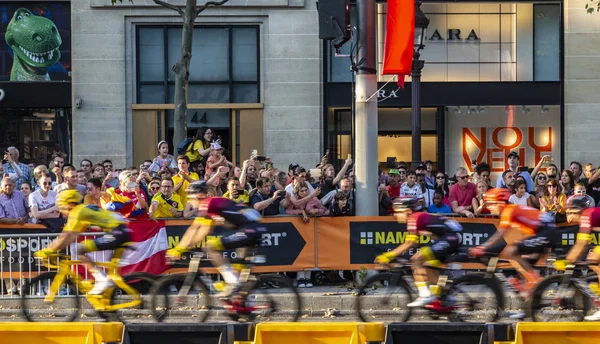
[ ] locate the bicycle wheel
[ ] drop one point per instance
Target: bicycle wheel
(140, 281)
(475, 298)
(64, 308)
(553, 301)
(282, 303)
(384, 297)
(166, 303)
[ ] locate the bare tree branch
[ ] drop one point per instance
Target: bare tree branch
(208, 4)
(169, 6)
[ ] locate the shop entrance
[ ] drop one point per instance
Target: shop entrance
(394, 135)
(37, 133)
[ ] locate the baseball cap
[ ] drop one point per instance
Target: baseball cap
(393, 171)
(292, 166)
(427, 162)
(513, 153)
(421, 166)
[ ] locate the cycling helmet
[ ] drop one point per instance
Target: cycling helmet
(577, 203)
(407, 203)
(197, 187)
(497, 195)
(68, 197)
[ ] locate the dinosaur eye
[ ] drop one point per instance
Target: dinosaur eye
(26, 14)
(19, 17)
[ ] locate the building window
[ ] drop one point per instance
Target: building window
(224, 66)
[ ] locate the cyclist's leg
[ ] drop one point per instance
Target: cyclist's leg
(421, 276)
(249, 236)
(536, 244)
(118, 237)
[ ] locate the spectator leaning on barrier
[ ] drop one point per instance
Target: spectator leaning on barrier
(95, 195)
(479, 206)
(266, 199)
(154, 187)
(438, 206)
(129, 188)
(462, 193)
(37, 173)
(166, 204)
(394, 185)
(13, 205)
(341, 207)
(13, 158)
(513, 165)
(42, 201)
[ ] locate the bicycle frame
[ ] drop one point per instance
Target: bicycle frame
(102, 302)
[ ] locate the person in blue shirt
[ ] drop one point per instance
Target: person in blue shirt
(438, 206)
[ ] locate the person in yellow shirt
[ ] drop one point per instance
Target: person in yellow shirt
(234, 193)
(94, 193)
(79, 218)
(198, 150)
(166, 204)
(183, 178)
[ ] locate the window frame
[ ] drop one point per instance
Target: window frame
(165, 83)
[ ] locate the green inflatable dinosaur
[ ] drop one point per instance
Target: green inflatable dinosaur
(34, 41)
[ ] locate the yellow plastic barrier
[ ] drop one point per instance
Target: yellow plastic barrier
(557, 333)
(61, 333)
(330, 333)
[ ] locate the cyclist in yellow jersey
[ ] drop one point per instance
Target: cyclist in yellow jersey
(80, 217)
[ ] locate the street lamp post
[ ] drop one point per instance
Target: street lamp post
(421, 23)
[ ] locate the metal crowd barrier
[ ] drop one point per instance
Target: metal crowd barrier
(17, 262)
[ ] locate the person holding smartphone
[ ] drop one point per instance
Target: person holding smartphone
(234, 193)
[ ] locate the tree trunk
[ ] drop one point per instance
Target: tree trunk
(182, 73)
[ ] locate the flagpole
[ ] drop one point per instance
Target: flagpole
(366, 130)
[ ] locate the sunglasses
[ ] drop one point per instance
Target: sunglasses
(552, 186)
(462, 177)
(89, 189)
(156, 188)
(542, 177)
(440, 177)
(47, 183)
(402, 172)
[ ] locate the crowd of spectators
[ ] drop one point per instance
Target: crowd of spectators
(157, 186)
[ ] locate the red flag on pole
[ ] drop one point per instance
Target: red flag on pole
(399, 38)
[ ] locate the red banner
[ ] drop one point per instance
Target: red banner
(399, 37)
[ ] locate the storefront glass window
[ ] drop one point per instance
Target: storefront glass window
(489, 133)
(37, 133)
(477, 42)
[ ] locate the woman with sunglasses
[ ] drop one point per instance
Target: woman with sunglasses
(42, 201)
(154, 187)
(554, 201)
(441, 184)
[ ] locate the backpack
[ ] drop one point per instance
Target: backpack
(184, 145)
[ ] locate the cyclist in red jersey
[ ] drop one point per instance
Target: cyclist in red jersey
(224, 212)
(537, 226)
(589, 220)
(442, 230)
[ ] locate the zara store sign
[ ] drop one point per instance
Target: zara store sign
(453, 35)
